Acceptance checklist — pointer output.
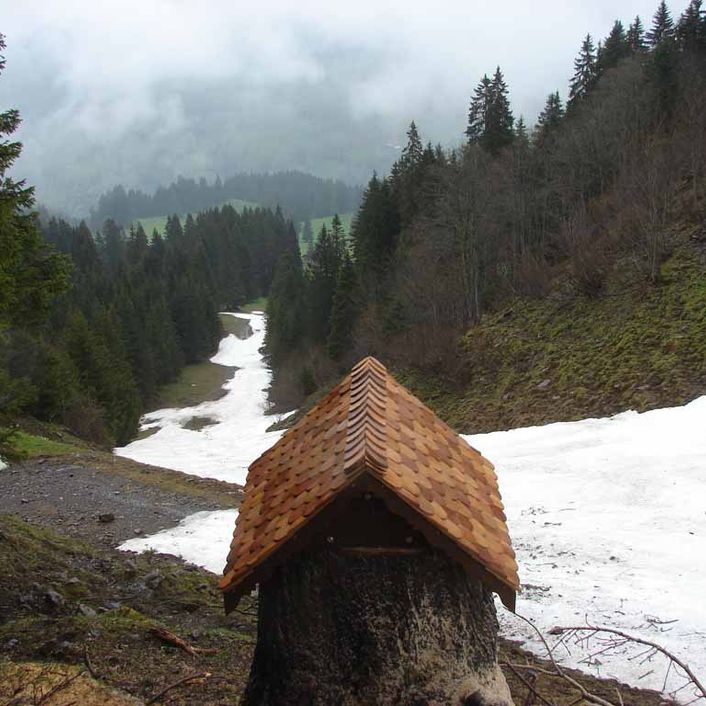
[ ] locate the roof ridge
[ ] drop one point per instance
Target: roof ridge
(366, 438)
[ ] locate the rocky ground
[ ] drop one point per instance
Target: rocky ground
(71, 604)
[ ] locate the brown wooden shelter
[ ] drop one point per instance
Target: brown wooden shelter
(371, 470)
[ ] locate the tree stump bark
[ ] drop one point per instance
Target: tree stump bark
(340, 629)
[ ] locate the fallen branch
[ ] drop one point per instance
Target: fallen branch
(558, 671)
(179, 682)
(559, 630)
(172, 639)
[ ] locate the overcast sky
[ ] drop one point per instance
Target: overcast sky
(140, 91)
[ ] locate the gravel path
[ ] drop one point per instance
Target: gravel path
(90, 503)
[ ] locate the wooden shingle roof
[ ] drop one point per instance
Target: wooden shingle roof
(371, 426)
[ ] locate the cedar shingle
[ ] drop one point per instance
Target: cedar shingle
(370, 424)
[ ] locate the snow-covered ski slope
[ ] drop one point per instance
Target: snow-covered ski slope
(608, 516)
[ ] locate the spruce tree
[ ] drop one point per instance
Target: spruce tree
(374, 236)
(691, 29)
(413, 151)
(663, 74)
(343, 312)
(173, 230)
(113, 243)
(550, 118)
(478, 113)
(662, 25)
(585, 72)
(636, 36)
(490, 119)
(322, 276)
(502, 120)
(285, 308)
(615, 49)
(521, 132)
(31, 272)
(407, 175)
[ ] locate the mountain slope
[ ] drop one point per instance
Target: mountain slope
(564, 358)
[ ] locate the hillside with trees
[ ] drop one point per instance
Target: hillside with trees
(123, 313)
(301, 197)
(535, 273)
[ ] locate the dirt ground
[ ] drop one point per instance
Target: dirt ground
(106, 499)
(69, 600)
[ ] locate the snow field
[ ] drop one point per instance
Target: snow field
(608, 519)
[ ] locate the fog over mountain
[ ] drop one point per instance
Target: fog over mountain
(140, 91)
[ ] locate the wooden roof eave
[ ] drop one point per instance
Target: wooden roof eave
(437, 537)
(362, 478)
(233, 591)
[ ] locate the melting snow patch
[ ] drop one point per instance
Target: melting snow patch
(2, 464)
(238, 435)
(202, 539)
(608, 519)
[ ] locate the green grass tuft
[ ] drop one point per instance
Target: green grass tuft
(24, 445)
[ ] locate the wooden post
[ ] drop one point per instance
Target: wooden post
(358, 628)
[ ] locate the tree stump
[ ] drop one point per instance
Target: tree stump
(343, 628)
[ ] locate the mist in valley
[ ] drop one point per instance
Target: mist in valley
(139, 93)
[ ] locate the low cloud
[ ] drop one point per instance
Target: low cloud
(139, 92)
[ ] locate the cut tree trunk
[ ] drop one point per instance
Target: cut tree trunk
(348, 628)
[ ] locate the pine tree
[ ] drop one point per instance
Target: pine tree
(550, 118)
(343, 312)
(585, 72)
(615, 49)
(662, 25)
(490, 119)
(636, 36)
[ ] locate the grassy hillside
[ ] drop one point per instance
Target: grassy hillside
(159, 223)
(567, 357)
